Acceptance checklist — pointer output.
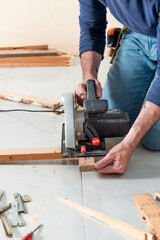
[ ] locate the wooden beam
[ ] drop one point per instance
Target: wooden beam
(29, 154)
(41, 46)
(150, 212)
(36, 59)
(28, 53)
(130, 230)
(86, 164)
(14, 65)
(29, 100)
(7, 155)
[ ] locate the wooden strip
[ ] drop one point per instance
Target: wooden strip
(157, 195)
(86, 164)
(41, 46)
(30, 154)
(12, 65)
(130, 230)
(29, 100)
(33, 59)
(150, 212)
(28, 53)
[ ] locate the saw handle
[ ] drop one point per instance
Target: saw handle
(92, 104)
(91, 90)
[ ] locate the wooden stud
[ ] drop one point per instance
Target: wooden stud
(157, 195)
(150, 212)
(42, 47)
(28, 53)
(86, 164)
(130, 230)
(29, 154)
(13, 65)
(36, 59)
(29, 100)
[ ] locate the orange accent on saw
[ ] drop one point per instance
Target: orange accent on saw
(83, 149)
(95, 141)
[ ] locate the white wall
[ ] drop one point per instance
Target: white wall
(54, 22)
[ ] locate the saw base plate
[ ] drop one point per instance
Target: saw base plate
(91, 151)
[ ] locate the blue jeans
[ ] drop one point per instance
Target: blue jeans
(130, 77)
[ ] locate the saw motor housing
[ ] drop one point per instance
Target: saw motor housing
(84, 131)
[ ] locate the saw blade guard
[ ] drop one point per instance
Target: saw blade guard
(68, 102)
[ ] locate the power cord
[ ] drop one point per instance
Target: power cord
(27, 110)
(55, 110)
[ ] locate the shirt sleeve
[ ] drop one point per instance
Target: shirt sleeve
(93, 22)
(153, 94)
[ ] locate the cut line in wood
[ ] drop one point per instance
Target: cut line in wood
(130, 230)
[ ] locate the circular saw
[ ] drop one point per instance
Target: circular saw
(85, 130)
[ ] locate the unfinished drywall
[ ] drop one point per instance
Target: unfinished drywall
(42, 21)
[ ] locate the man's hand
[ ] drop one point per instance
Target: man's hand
(81, 91)
(116, 160)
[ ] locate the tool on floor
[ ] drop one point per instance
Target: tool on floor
(3, 209)
(14, 214)
(6, 225)
(4, 220)
(29, 236)
(21, 206)
(18, 207)
(26, 198)
(84, 131)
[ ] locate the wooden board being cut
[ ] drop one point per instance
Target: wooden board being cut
(150, 212)
(130, 230)
(29, 154)
(29, 100)
(86, 164)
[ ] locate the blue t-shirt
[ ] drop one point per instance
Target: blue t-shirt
(141, 16)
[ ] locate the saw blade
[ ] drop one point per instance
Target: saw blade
(68, 102)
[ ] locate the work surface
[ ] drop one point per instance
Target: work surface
(45, 180)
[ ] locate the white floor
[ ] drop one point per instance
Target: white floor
(45, 180)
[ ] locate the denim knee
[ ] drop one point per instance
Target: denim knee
(152, 138)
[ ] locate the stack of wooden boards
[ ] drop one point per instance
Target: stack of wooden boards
(33, 56)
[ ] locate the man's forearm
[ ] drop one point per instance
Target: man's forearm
(90, 61)
(148, 116)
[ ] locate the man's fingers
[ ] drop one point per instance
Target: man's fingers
(81, 91)
(98, 89)
(102, 163)
(111, 169)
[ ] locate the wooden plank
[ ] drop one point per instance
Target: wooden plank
(28, 53)
(86, 164)
(13, 65)
(29, 154)
(39, 59)
(29, 100)
(41, 46)
(130, 230)
(150, 212)
(157, 195)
